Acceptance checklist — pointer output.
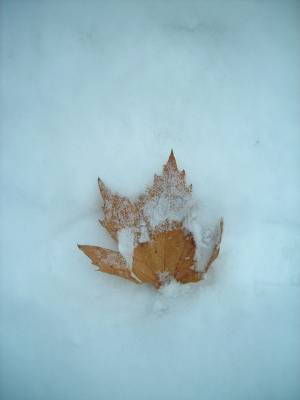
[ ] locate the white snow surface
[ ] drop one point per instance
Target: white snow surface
(106, 89)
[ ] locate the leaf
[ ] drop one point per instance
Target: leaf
(109, 261)
(119, 211)
(168, 254)
(153, 225)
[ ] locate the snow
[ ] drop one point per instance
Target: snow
(106, 89)
(172, 201)
(161, 209)
(126, 244)
(144, 234)
(204, 224)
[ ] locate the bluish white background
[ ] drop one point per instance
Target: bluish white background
(106, 88)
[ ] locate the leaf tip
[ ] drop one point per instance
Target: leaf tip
(171, 163)
(221, 225)
(103, 189)
(102, 222)
(100, 183)
(80, 247)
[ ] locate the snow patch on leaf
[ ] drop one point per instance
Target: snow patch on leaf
(126, 241)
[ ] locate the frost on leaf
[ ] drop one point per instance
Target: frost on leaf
(159, 239)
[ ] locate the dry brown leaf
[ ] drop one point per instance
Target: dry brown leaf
(167, 255)
(162, 248)
(109, 261)
(119, 211)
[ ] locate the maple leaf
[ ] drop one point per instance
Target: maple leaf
(154, 243)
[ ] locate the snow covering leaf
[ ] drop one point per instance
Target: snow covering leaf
(158, 238)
